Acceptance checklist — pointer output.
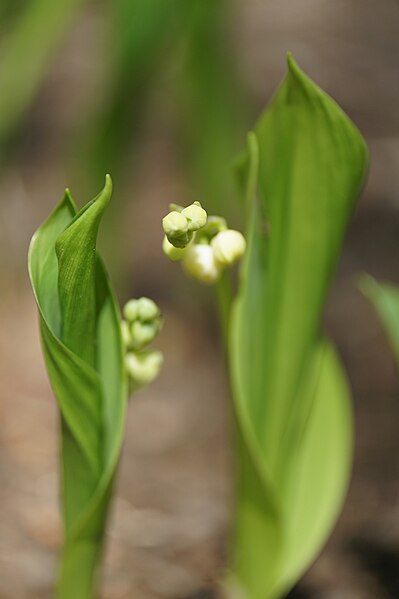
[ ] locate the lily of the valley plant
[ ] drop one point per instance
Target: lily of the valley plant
(301, 172)
(92, 358)
(300, 175)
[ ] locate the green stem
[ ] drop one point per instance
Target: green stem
(224, 301)
(79, 566)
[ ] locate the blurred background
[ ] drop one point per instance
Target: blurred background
(160, 94)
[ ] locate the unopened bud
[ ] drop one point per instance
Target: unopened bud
(131, 310)
(147, 309)
(228, 246)
(195, 215)
(176, 229)
(144, 367)
(143, 333)
(200, 263)
(173, 253)
(126, 335)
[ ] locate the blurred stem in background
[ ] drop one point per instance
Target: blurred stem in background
(137, 39)
(138, 35)
(26, 53)
(147, 35)
(212, 102)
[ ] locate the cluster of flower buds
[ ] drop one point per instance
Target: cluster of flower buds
(204, 245)
(142, 323)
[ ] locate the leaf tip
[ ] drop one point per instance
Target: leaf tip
(294, 69)
(108, 182)
(251, 138)
(68, 200)
(367, 285)
(292, 65)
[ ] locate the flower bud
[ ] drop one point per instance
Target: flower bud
(195, 215)
(147, 309)
(126, 335)
(228, 246)
(175, 226)
(143, 333)
(144, 367)
(173, 253)
(199, 262)
(174, 223)
(131, 310)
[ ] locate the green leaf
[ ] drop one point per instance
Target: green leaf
(385, 299)
(80, 329)
(286, 380)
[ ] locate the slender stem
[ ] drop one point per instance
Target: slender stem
(224, 301)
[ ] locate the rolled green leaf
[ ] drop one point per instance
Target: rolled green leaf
(82, 345)
(302, 172)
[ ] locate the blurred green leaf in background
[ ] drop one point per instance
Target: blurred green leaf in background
(182, 48)
(302, 172)
(384, 297)
(30, 36)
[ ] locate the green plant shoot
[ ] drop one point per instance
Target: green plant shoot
(84, 353)
(303, 169)
(301, 173)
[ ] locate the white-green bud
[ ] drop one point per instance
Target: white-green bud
(195, 215)
(126, 335)
(131, 310)
(228, 246)
(143, 367)
(147, 309)
(199, 262)
(175, 226)
(143, 333)
(173, 253)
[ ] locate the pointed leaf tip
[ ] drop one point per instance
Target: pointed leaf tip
(367, 284)
(292, 64)
(108, 181)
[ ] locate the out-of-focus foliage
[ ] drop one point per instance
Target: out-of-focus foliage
(177, 50)
(139, 34)
(302, 172)
(32, 31)
(81, 336)
(212, 101)
(385, 299)
(183, 46)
